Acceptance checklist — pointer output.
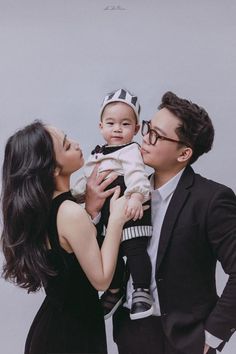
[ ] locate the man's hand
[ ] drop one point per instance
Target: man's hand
(95, 194)
(206, 348)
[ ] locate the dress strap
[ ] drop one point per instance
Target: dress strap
(52, 226)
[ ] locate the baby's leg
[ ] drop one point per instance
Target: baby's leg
(140, 268)
(113, 297)
(138, 261)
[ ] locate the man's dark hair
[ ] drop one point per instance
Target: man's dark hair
(196, 128)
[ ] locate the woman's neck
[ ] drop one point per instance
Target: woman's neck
(62, 185)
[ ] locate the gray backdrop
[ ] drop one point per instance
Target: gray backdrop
(59, 57)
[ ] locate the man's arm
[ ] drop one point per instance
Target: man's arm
(221, 225)
(206, 348)
(211, 341)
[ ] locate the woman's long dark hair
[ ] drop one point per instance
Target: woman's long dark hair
(27, 190)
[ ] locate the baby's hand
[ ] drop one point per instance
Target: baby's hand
(134, 209)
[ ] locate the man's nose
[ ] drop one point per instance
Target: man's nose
(146, 138)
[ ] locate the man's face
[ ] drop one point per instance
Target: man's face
(164, 154)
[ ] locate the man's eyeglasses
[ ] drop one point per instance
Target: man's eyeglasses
(154, 135)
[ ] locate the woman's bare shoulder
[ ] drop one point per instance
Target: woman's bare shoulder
(71, 211)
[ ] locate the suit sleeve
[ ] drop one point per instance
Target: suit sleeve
(221, 227)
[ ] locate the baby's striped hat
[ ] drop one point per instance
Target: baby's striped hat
(125, 96)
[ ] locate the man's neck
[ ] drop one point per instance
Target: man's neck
(162, 177)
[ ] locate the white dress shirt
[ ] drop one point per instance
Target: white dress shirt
(160, 199)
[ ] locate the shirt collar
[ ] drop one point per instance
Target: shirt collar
(169, 187)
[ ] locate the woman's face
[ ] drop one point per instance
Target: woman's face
(68, 153)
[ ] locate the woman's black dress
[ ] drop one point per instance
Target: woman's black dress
(70, 320)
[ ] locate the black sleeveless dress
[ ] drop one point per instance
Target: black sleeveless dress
(70, 320)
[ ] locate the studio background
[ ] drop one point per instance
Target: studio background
(58, 58)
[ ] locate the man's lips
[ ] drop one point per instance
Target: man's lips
(143, 150)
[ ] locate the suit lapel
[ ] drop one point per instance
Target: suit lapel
(176, 204)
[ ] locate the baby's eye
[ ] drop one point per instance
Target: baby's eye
(68, 146)
(109, 123)
(126, 123)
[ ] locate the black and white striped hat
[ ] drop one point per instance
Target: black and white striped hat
(125, 96)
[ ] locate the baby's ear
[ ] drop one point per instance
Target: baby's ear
(100, 125)
(137, 127)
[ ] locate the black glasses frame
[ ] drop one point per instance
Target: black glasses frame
(152, 132)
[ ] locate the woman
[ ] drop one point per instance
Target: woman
(48, 240)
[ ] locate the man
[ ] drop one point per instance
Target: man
(194, 225)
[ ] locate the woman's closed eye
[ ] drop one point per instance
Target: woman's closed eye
(68, 146)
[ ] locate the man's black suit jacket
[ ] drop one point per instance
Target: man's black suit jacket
(199, 228)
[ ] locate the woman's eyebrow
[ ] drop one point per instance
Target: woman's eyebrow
(64, 140)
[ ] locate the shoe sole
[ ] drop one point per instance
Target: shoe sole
(114, 309)
(136, 316)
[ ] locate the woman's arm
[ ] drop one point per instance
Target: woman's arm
(76, 229)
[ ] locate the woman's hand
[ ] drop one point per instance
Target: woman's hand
(95, 194)
(118, 207)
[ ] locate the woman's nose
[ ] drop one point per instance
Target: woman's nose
(75, 144)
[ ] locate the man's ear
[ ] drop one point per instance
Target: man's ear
(185, 154)
(137, 127)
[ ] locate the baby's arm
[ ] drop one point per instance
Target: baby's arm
(134, 208)
(135, 176)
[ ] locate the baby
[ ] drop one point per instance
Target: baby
(119, 122)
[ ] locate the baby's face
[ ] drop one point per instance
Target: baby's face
(118, 125)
